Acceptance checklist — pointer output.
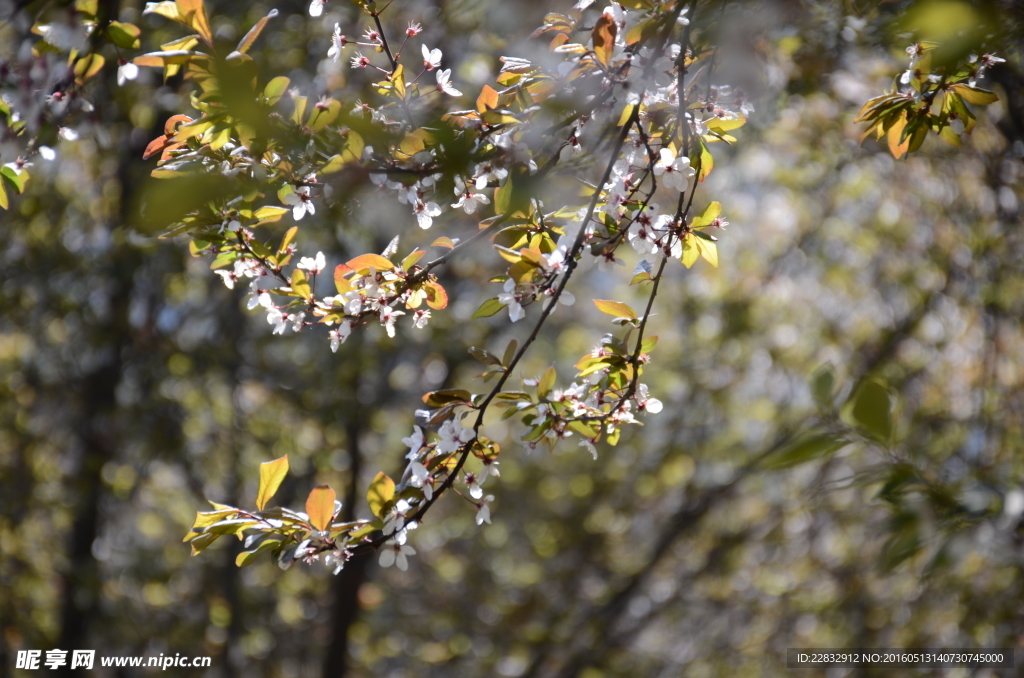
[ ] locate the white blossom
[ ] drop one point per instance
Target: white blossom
(675, 171)
(420, 318)
(414, 442)
(444, 84)
(316, 8)
(431, 58)
(468, 200)
(301, 202)
(278, 319)
(473, 482)
(340, 334)
(313, 264)
(483, 510)
(511, 299)
(228, 277)
(337, 43)
(420, 477)
(645, 403)
(394, 553)
(125, 72)
(425, 213)
(388, 315)
(453, 436)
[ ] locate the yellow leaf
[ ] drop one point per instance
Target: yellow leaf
(708, 250)
(709, 215)
(271, 475)
(615, 308)
(690, 252)
(320, 507)
(604, 34)
(627, 113)
(195, 16)
(381, 491)
(398, 78)
(487, 100)
(300, 286)
(88, 66)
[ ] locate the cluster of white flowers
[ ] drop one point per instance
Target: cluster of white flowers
(451, 437)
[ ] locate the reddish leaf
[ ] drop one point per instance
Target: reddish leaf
(320, 507)
(368, 261)
(437, 298)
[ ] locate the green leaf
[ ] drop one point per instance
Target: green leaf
(4, 202)
(320, 507)
(489, 308)
(510, 352)
(411, 260)
(872, 410)
(323, 114)
(975, 95)
(805, 450)
(247, 557)
(547, 382)
(823, 384)
(275, 89)
(381, 491)
(271, 475)
(254, 32)
(648, 344)
(299, 112)
(503, 197)
(19, 179)
(484, 356)
(616, 309)
(124, 35)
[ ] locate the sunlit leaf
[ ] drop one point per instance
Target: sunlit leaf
(254, 32)
(88, 66)
(320, 507)
(975, 95)
(271, 475)
(124, 35)
(616, 309)
(437, 298)
(300, 285)
(367, 261)
(381, 491)
(275, 89)
(603, 34)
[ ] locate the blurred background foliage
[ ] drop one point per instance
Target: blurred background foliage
(763, 509)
